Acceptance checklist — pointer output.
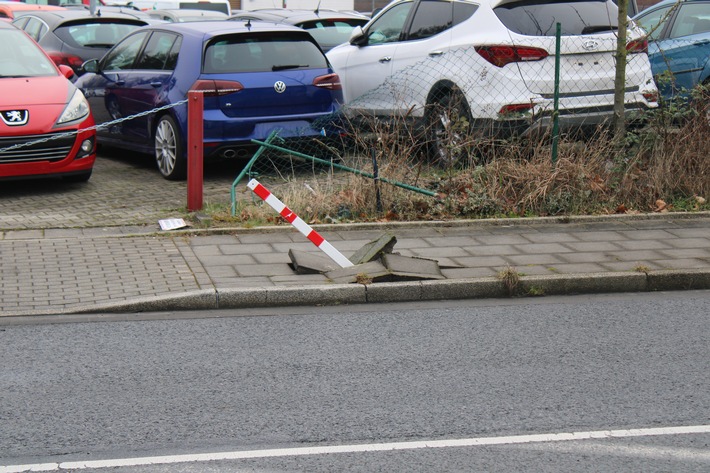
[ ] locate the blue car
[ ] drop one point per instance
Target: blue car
(256, 78)
(679, 43)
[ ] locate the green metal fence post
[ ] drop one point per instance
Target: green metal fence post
(556, 107)
(247, 169)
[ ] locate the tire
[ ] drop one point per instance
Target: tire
(448, 129)
(169, 154)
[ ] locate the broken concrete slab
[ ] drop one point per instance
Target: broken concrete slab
(375, 249)
(363, 273)
(411, 267)
(311, 263)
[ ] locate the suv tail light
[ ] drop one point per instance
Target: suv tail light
(330, 82)
(637, 46)
(502, 55)
(70, 60)
(216, 88)
(651, 96)
(515, 108)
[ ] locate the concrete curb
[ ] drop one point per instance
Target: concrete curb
(384, 226)
(343, 294)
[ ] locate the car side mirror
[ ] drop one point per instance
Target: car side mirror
(92, 65)
(66, 71)
(357, 37)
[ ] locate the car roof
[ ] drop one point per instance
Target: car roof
(10, 9)
(294, 16)
(188, 12)
(68, 14)
(218, 27)
(28, 6)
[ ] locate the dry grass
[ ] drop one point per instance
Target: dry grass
(662, 167)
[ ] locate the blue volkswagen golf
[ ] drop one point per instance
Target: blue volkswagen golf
(257, 78)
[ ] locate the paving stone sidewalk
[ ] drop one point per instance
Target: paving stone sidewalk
(138, 268)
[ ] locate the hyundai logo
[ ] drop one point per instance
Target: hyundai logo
(590, 44)
(15, 117)
(280, 87)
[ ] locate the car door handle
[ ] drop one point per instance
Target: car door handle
(156, 84)
(120, 82)
(385, 59)
(436, 53)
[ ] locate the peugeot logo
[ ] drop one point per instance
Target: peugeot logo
(590, 44)
(280, 87)
(15, 117)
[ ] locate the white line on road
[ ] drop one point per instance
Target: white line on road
(377, 447)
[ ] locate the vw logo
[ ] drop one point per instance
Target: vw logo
(280, 87)
(590, 44)
(15, 117)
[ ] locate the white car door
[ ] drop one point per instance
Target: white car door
(365, 65)
(420, 59)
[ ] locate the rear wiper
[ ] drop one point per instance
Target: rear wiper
(598, 29)
(288, 66)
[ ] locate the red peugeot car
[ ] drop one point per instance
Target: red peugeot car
(46, 126)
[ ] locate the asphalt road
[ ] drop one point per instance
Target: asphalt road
(92, 388)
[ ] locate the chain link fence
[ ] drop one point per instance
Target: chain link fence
(459, 110)
(441, 116)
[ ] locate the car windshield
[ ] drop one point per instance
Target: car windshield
(576, 17)
(261, 53)
(24, 58)
(94, 35)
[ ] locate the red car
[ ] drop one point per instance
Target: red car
(44, 118)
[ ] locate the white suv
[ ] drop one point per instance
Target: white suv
(493, 63)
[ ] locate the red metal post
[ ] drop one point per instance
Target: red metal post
(195, 150)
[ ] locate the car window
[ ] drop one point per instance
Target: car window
(389, 25)
(20, 22)
(24, 58)
(331, 32)
(463, 11)
(653, 21)
(693, 18)
(124, 54)
(157, 52)
(94, 35)
(35, 28)
(262, 52)
(431, 18)
(577, 17)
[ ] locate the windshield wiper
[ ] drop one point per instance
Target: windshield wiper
(288, 66)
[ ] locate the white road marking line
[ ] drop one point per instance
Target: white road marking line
(377, 447)
(636, 451)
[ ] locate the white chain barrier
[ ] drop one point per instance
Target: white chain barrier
(95, 127)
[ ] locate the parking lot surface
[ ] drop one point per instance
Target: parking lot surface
(125, 189)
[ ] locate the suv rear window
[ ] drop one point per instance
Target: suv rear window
(262, 53)
(539, 18)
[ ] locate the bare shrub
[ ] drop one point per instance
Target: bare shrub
(665, 160)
